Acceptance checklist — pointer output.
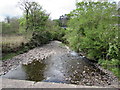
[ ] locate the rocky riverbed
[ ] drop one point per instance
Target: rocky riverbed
(97, 76)
(39, 53)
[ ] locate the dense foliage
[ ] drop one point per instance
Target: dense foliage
(37, 20)
(93, 30)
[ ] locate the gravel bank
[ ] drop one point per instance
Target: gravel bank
(39, 53)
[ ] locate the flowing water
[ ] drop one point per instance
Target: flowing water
(63, 68)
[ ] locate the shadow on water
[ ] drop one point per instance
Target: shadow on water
(66, 68)
(34, 71)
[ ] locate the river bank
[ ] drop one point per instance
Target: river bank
(101, 78)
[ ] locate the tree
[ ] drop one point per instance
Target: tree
(37, 16)
(7, 19)
(93, 30)
(25, 5)
(63, 20)
(34, 15)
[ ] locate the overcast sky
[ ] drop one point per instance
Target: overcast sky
(56, 8)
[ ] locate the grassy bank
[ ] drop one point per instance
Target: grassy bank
(12, 45)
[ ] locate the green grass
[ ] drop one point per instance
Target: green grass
(62, 44)
(12, 54)
(116, 71)
(11, 45)
(8, 56)
(111, 65)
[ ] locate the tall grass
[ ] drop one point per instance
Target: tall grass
(11, 44)
(13, 40)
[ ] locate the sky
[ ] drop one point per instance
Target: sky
(55, 8)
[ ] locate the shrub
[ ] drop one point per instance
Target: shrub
(92, 30)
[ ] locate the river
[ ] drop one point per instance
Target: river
(61, 66)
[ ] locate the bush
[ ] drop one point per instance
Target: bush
(40, 37)
(112, 65)
(92, 30)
